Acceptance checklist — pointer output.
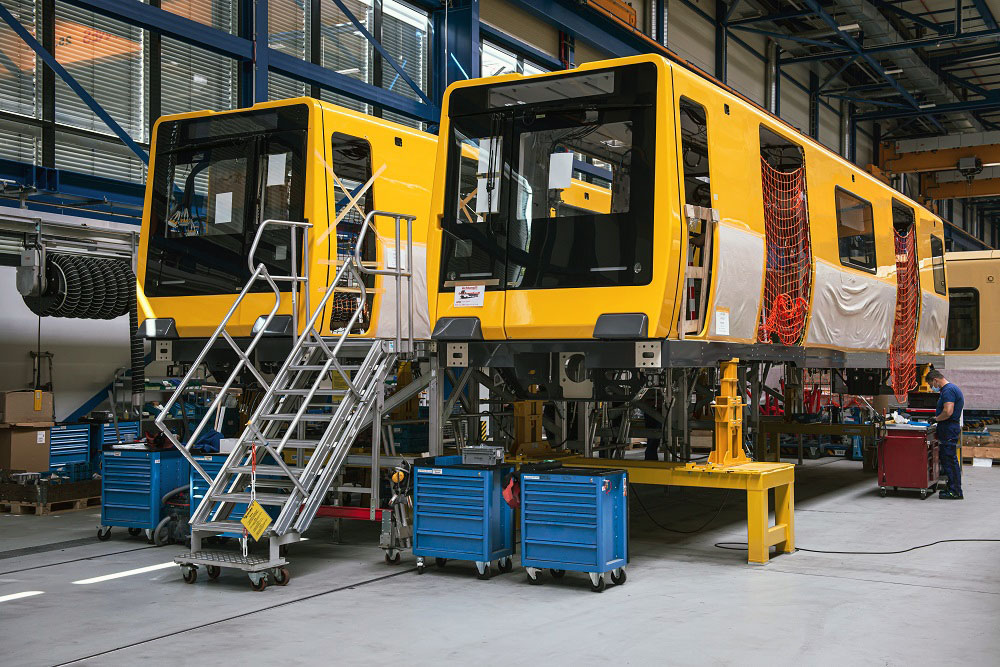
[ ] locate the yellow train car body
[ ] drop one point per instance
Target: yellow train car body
(850, 308)
(215, 176)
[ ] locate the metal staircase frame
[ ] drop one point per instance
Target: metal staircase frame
(362, 401)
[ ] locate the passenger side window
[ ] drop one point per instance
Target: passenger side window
(855, 231)
(963, 319)
(937, 264)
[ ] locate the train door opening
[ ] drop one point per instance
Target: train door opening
(699, 213)
(788, 266)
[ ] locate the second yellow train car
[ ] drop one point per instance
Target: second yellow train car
(636, 201)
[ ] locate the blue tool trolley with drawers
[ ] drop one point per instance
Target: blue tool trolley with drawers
(133, 483)
(459, 513)
(69, 443)
(575, 519)
(103, 435)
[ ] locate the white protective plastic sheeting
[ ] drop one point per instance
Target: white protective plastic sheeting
(385, 323)
(739, 279)
(850, 311)
(933, 323)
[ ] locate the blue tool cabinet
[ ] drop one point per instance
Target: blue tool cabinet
(133, 483)
(575, 519)
(69, 443)
(459, 513)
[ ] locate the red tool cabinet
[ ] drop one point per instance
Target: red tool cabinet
(908, 459)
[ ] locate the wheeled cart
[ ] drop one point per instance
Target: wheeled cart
(575, 519)
(134, 483)
(459, 513)
(908, 460)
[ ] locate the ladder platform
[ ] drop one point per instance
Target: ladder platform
(322, 367)
(305, 392)
(230, 559)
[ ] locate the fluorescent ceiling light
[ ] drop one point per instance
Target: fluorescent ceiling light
(992, 164)
(929, 105)
(850, 27)
(894, 70)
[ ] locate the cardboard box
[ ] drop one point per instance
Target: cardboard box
(24, 449)
(26, 407)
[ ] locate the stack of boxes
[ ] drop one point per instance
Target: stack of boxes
(25, 420)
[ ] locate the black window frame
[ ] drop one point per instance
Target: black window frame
(937, 266)
(846, 261)
(977, 329)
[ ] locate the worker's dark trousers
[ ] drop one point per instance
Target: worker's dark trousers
(950, 467)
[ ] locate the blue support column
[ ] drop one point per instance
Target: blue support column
(721, 40)
(660, 21)
(87, 98)
(813, 105)
(261, 51)
(245, 68)
(457, 43)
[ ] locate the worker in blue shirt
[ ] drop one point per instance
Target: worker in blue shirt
(949, 428)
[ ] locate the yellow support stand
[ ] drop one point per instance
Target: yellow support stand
(728, 418)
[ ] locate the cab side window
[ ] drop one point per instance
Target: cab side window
(937, 264)
(855, 231)
(963, 319)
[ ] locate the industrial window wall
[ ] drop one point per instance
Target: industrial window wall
(136, 75)
(494, 61)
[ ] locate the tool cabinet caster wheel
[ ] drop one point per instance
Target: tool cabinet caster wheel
(618, 579)
(260, 584)
(883, 492)
(599, 586)
(392, 559)
(440, 562)
(506, 565)
(533, 579)
(421, 569)
(135, 532)
(486, 573)
(104, 533)
(213, 571)
(281, 576)
(190, 574)
(923, 494)
(557, 574)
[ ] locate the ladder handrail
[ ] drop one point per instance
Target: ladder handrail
(398, 273)
(256, 274)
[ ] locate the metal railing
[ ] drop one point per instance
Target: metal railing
(397, 271)
(258, 273)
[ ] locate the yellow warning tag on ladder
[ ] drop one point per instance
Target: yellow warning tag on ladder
(256, 520)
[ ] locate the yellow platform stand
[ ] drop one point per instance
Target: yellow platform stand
(728, 468)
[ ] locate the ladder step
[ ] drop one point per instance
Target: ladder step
(219, 526)
(305, 392)
(319, 367)
(268, 470)
(244, 497)
(294, 444)
(307, 417)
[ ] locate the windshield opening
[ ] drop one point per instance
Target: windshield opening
(215, 180)
(556, 193)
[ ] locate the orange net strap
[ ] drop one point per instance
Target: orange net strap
(902, 350)
(789, 258)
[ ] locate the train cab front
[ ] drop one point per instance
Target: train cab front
(547, 199)
(214, 178)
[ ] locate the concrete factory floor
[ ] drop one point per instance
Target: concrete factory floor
(685, 602)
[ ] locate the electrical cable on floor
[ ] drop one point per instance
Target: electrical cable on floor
(677, 530)
(742, 546)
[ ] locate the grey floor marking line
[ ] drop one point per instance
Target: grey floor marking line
(233, 618)
(882, 581)
(76, 560)
(42, 548)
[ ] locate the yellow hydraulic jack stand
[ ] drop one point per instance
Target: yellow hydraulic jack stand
(728, 468)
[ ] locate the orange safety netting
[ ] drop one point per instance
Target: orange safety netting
(902, 350)
(789, 257)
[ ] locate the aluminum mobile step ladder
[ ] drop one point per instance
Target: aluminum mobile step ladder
(301, 410)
